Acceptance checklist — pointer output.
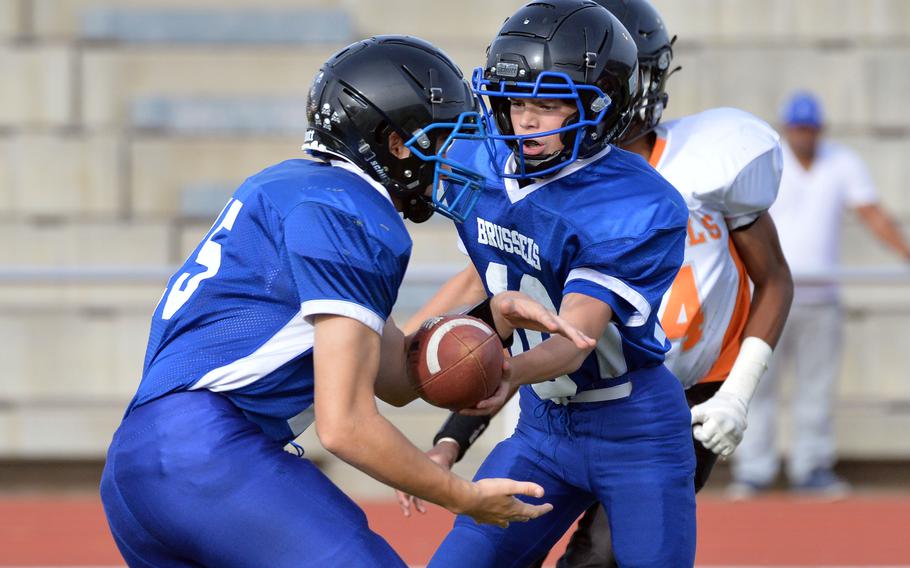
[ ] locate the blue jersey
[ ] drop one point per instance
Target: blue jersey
(297, 239)
(609, 227)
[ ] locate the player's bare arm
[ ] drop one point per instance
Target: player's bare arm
(516, 310)
(346, 358)
(511, 311)
(462, 290)
(721, 421)
(759, 248)
(445, 453)
(557, 355)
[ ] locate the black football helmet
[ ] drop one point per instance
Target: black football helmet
(401, 84)
(655, 54)
(561, 49)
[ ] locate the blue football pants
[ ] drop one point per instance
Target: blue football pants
(634, 455)
(189, 481)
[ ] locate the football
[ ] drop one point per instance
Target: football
(455, 361)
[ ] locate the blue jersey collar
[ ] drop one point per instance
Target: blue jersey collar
(516, 193)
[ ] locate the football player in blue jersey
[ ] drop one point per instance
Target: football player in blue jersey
(596, 233)
(280, 318)
(721, 345)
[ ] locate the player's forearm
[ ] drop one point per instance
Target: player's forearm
(770, 305)
(392, 385)
(367, 441)
(557, 355)
(463, 289)
(553, 358)
(346, 361)
(759, 248)
(461, 431)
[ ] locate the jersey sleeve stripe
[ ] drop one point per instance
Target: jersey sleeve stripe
(618, 287)
(295, 338)
(344, 308)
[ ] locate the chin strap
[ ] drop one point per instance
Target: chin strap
(536, 164)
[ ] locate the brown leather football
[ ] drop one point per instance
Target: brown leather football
(455, 361)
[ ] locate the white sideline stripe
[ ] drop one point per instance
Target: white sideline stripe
(617, 286)
(433, 345)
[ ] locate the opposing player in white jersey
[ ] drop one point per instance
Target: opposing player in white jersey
(726, 163)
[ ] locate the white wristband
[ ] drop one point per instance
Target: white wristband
(447, 439)
(751, 363)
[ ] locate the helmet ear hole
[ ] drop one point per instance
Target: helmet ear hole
(394, 144)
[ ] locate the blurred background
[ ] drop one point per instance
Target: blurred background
(126, 124)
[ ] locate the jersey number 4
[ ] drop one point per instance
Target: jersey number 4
(682, 318)
(208, 257)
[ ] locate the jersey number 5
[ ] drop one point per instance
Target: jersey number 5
(209, 257)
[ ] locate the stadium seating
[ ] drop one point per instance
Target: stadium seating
(125, 124)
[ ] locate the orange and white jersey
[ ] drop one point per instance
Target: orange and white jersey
(727, 165)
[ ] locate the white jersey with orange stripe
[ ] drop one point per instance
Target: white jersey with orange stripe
(727, 165)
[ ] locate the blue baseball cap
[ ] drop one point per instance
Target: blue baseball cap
(802, 109)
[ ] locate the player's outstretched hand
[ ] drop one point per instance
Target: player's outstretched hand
(445, 453)
(494, 502)
(514, 310)
(719, 423)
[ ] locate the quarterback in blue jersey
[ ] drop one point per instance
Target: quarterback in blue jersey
(280, 318)
(595, 232)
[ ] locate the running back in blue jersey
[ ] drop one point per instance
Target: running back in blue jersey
(297, 239)
(608, 227)
(617, 430)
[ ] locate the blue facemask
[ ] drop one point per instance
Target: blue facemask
(456, 188)
(549, 85)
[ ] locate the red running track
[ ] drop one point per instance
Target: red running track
(772, 531)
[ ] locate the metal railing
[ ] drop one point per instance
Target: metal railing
(420, 282)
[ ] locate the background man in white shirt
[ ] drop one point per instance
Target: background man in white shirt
(820, 180)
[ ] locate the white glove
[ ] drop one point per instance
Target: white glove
(719, 422)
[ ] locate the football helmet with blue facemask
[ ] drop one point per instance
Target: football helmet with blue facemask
(403, 85)
(573, 50)
(655, 55)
